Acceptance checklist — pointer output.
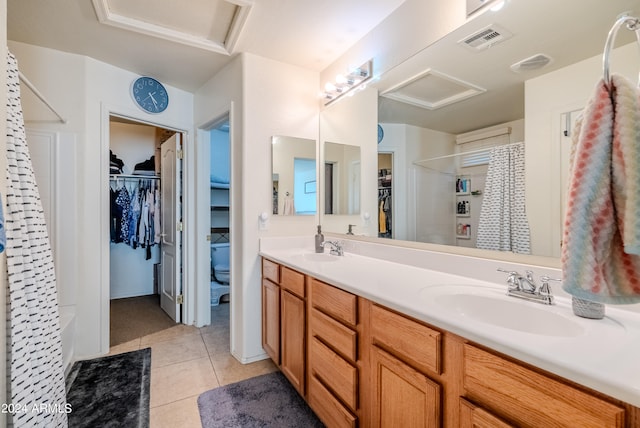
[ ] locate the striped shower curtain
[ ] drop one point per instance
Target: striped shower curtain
(503, 222)
(34, 350)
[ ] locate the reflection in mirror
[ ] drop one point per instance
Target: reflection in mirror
(341, 179)
(294, 169)
(441, 109)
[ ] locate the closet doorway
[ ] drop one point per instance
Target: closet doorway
(145, 254)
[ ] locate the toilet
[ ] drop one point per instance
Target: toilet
(220, 269)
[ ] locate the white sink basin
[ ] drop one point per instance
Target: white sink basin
(319, 257)
(494, 307)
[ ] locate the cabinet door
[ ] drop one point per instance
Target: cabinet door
(293, 339)
(271, 320)
(403, 397)
(472, 416)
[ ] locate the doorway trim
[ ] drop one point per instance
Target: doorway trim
(106, 111)
(203, 249)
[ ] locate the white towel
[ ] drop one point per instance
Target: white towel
(287, 208)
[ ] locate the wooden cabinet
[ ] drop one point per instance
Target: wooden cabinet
(472, 416)
(358, 363)
(334, 375)
(528, 398)
(404, 397)
(271, 319)
(293, 331)
(284, 316)
(403, 355)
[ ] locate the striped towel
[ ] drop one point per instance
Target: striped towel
(601, 246)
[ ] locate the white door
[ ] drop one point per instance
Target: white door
(170, 220)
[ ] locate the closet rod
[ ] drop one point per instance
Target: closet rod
(136, 176)
(40, 96)
(418, 162)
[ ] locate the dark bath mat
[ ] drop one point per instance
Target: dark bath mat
(111, 391)
(264, 401)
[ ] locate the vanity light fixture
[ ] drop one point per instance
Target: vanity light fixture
(347, 83)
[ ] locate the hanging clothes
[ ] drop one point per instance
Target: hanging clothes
(123, 201)
(384, 212)
(135, 214)
(34, 348)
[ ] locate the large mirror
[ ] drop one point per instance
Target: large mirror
(294, 182)
(443, 108)
(341, 189)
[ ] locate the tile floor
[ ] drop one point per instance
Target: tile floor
(187, 361)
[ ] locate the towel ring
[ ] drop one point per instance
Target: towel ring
(633, 24)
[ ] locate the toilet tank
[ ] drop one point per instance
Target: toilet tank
(220, 254)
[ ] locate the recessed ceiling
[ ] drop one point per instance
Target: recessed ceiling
(207, 24)
(432, 90)
(185, 43)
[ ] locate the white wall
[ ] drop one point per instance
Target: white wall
(412, 26)
(85, 91)
(266, 98)
(220, 165)
(546, 98)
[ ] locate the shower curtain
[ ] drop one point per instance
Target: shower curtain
(503, 222)
(34, 350)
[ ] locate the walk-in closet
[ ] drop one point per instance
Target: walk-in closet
(135, 229)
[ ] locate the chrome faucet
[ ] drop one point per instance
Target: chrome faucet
(336, 248)
(525, 287)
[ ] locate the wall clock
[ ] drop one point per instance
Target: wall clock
(380, 134)
(149, 94)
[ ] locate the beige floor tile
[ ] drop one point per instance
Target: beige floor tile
(217, 344)
(132, 345)
(182, 380)
(183, 414)
(178, 330)
(178, 349)
(229, 370)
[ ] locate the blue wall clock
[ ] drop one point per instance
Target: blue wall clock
(380, 134)
(149, 94)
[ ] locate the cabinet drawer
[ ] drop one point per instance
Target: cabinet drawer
(328, 409)
(271, 271)
(335, 302)
(472, 416)
(532, 399)
(339, 337)
(419, 345)
(292, 281)
(335, 372)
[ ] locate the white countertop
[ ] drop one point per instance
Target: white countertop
(605, 356)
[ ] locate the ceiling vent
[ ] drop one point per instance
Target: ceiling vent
(532, 63)
(485, 38)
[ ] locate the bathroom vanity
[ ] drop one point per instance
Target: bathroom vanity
(364, 351)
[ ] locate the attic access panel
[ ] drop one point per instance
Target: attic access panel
(432, 90)
(213, 25)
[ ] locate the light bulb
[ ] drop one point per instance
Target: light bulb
(499, 5)
(329, 87)
(340, 79)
